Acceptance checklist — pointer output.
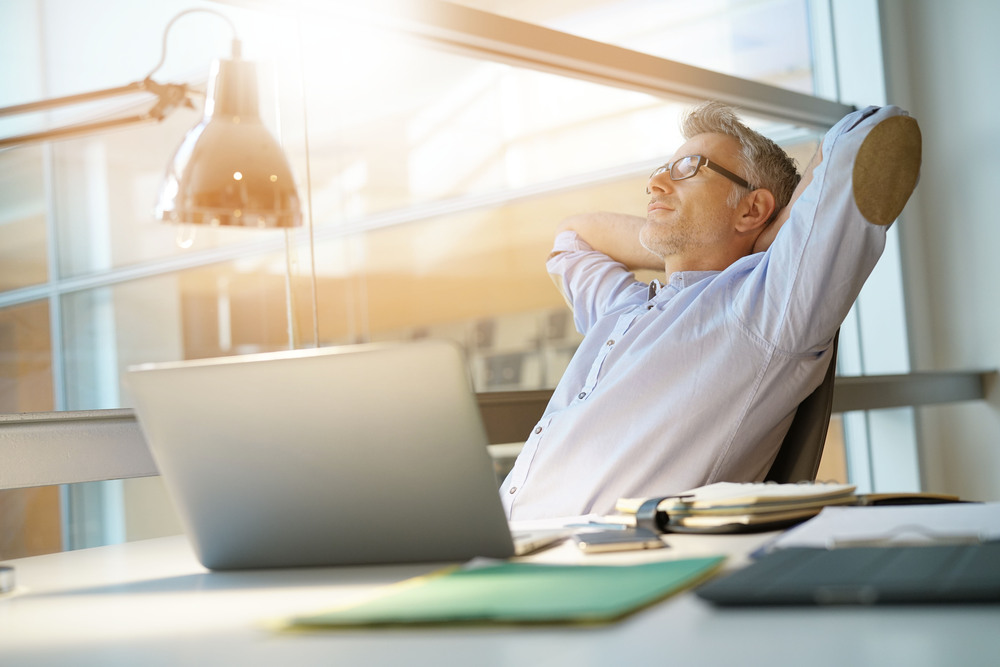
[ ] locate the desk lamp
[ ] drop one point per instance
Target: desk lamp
(227, 171)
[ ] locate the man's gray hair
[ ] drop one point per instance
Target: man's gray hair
(765, 164)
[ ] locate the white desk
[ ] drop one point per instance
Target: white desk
(151, 603)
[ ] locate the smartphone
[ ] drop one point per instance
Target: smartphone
(618, 540)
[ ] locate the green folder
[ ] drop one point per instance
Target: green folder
(517, 592)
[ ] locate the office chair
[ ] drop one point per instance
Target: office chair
(800, 451)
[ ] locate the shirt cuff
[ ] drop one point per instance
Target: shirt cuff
(569, 241)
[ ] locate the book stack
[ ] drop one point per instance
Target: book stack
(726, 507)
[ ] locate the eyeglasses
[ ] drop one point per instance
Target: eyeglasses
(688, 166)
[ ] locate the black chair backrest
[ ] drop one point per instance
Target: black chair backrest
(802, 448)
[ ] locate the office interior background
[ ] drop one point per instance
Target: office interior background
(433, 179)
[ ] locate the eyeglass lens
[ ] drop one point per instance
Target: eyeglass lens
(679, 169)
(688, 166)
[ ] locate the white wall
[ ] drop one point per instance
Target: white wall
(943, 64)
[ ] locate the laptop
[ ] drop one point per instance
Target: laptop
(358, 454)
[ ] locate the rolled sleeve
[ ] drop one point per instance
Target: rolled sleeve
(591, 282)
(809, 278)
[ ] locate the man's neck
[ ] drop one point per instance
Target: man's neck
(707, 262)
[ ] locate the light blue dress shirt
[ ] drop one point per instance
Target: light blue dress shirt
(697, 381)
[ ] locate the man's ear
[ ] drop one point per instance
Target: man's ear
(755, 210)
(767, 235)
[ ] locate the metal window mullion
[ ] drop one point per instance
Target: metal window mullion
(68, 501)
(823, 48)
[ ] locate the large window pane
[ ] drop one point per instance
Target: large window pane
(439, 126)
(23, 206)
(762, 40)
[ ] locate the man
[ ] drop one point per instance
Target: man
(697, 380)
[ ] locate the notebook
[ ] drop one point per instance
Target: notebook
(864, 575)
(358, 454)
(725, 507)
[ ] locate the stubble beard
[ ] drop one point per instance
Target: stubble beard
(665, 239)
(683, 235)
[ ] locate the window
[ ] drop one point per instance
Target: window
(434, 179)
(729, 36)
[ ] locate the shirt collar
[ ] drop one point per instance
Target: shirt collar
(682, 279)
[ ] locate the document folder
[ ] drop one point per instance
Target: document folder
(513, 592)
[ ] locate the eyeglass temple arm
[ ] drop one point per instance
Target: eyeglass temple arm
(739, 180)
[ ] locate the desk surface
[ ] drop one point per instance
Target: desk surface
(151, 603)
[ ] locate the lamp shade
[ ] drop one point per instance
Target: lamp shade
(229, 170)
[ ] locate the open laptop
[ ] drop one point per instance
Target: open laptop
(344, 455)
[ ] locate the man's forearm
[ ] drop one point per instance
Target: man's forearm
(614, 234)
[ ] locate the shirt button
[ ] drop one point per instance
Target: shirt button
(538, 429)
(611, 342)
(581, 394)
(512, 490)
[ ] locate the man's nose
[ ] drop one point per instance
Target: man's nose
(659, 183)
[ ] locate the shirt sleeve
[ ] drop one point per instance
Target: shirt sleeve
(592, 283)
(798, 295)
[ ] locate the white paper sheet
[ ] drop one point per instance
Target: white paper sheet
(895, 525)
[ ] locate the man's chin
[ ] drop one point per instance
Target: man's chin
(648, 240)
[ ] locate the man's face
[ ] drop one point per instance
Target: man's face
(689, 220)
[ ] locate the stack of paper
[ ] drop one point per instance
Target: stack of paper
(728, 506)
(840, 527)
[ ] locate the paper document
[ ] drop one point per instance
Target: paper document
(896, 526)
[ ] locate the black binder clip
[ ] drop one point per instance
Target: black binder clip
(651, 518)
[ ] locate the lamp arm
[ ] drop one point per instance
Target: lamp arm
(166, 32)
(70, 131)
(168, 97)
(55, 102)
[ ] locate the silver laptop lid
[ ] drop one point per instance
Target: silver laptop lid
(357, 454)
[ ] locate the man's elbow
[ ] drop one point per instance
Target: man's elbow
(570, 224)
